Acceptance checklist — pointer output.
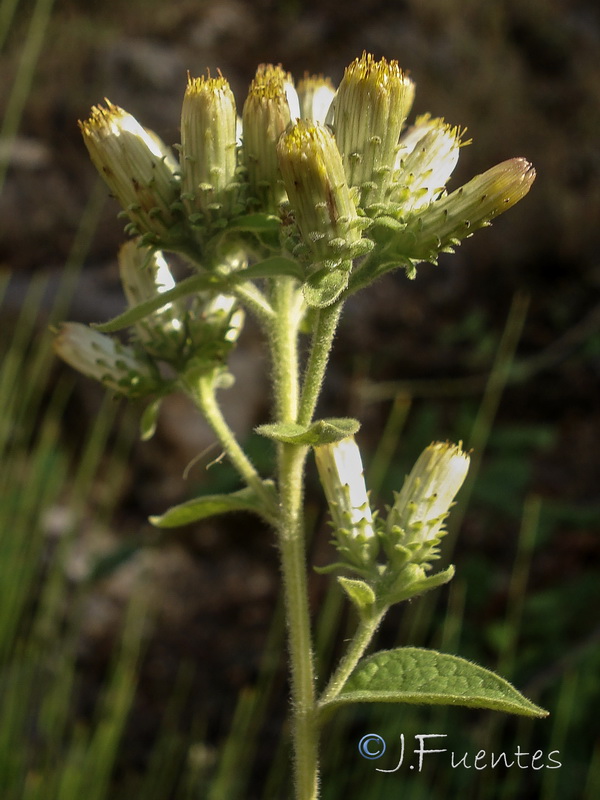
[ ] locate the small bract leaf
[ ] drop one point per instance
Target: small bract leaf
(415, 675)
(324, 287)
(272, 267)
(149, 420)
(323, 431)
(256, 223)
(359, 592)
(209, 506)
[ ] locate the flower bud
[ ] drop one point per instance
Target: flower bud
(144, 275)
(138, 167)
(341, 475)
(314, 178)
(369, 110)
(415, 522)
(315, 94)
(268, 109)
(449, 219)
(208, 147)
(105, 359)
(424, 171)
(223, 313)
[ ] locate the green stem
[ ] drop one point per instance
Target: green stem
(360, 641)
(325, 327)
(284, 345)
(204, 395)
(291, 406)
(293, 564)
(255, 301)
(291, 459)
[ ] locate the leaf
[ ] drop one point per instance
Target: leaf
(323, 431)
(405, 591)
(149, 419)
(256, 223)
(325, 287)
(195, 283)
(359, 592)
(270, 267)
(209, 506)
(415, 675)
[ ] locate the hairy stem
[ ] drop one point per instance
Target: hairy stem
(284, 345)
(324, 332)
(255, 301)
(291, 460)
(203, 393)
(360, 641)
(293, 565)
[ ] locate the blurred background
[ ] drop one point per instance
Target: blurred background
(140, 663)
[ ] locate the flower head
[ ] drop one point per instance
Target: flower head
(315, 94)
(208, 148)
(369, 111)
(444, 222)
(415, 522)
(138, 167)
(341, 474)
(313, 175)
(145, 274)
(270, 106)
(425, 161)
(105, 359)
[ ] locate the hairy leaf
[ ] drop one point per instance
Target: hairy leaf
(210, 505)
(323, 431)
(415, 675)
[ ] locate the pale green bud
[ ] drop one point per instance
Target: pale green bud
(423, 171)
(222, 310)
(138, 167)
(144, 275)
(449, 219)
(208, 147)
(313, 174)
(369, 110)
(316, 95)
(341, 475)
(105, 359)
(266, 115)
(415, 522)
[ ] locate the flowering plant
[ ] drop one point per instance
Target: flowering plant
(311, 196)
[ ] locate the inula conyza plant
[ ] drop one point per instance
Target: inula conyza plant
(311, 196)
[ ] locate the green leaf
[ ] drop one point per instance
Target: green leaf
(323, 431)
(325, 287)
(359, 592)
(270, 268)
(211, 505)
(149, 419)
(405, 589)
(256, 223)
(195, 283)
(415, 675)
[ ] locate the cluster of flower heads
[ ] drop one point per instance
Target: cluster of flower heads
(340, 170)
(180, 339)
(333, 181)
(392, 556)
